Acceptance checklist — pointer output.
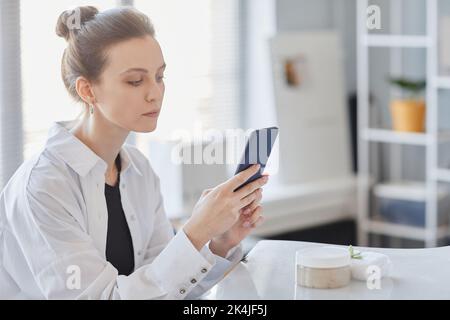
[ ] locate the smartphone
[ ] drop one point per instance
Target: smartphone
(257, 151)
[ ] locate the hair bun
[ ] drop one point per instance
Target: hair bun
(71, 21)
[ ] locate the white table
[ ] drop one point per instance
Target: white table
(269, 273)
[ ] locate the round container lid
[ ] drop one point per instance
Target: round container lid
(323, 257)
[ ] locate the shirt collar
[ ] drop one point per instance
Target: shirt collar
(79, 156)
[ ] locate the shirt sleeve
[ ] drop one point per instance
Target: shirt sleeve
(191, 273)
(221, 269)
(65, 264)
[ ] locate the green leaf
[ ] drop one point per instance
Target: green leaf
(413, 86)
(354, 255)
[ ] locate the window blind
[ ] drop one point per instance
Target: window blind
(10, 90)
(200, 43)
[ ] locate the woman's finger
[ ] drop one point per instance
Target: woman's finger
(250, 198)
(259, 222)
(252, 206)
(237, 180)
(253, 218)
(252, 186)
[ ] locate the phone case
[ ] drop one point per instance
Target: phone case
(257, 151)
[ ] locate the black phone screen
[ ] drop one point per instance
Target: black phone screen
(257, 151)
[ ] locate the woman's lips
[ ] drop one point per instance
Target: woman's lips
(151, 114)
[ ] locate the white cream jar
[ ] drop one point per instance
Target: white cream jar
(323, 267)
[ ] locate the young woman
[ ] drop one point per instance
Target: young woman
(85, 218)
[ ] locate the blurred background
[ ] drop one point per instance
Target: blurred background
(359, 90)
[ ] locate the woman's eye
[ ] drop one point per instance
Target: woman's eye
(159, 79)
(135, 83)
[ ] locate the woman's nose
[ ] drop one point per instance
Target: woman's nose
(154, 92)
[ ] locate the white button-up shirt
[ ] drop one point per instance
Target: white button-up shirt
(53, 227)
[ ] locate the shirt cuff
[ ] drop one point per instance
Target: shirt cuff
(222, 267)
(180, 266)
(233, 254)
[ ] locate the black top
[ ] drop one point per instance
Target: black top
(119, 245)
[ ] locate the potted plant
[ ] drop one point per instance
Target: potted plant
(408, 113)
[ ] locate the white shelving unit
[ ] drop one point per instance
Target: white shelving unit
(430, 140)
(443, 82)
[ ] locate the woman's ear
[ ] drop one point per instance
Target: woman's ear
(85, 90)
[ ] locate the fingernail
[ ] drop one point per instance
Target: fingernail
(246, 224)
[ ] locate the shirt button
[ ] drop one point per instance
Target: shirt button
(193, 281)
(133, 217)
(123, 185)
(182, 291)
(204, 270)
(139, 252)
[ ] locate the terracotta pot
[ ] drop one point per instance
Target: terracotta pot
(408, 115)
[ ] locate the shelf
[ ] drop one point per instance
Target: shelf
(376, 40)
(403, 231)
(443, 82)
(409, 138)
(389, 136)
(442, 174)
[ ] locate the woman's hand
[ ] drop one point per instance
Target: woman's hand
(220, 245)
(219, 209)
(250, 218)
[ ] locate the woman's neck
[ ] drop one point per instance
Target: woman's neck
(102, 137)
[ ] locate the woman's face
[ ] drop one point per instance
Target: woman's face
(132, 85)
